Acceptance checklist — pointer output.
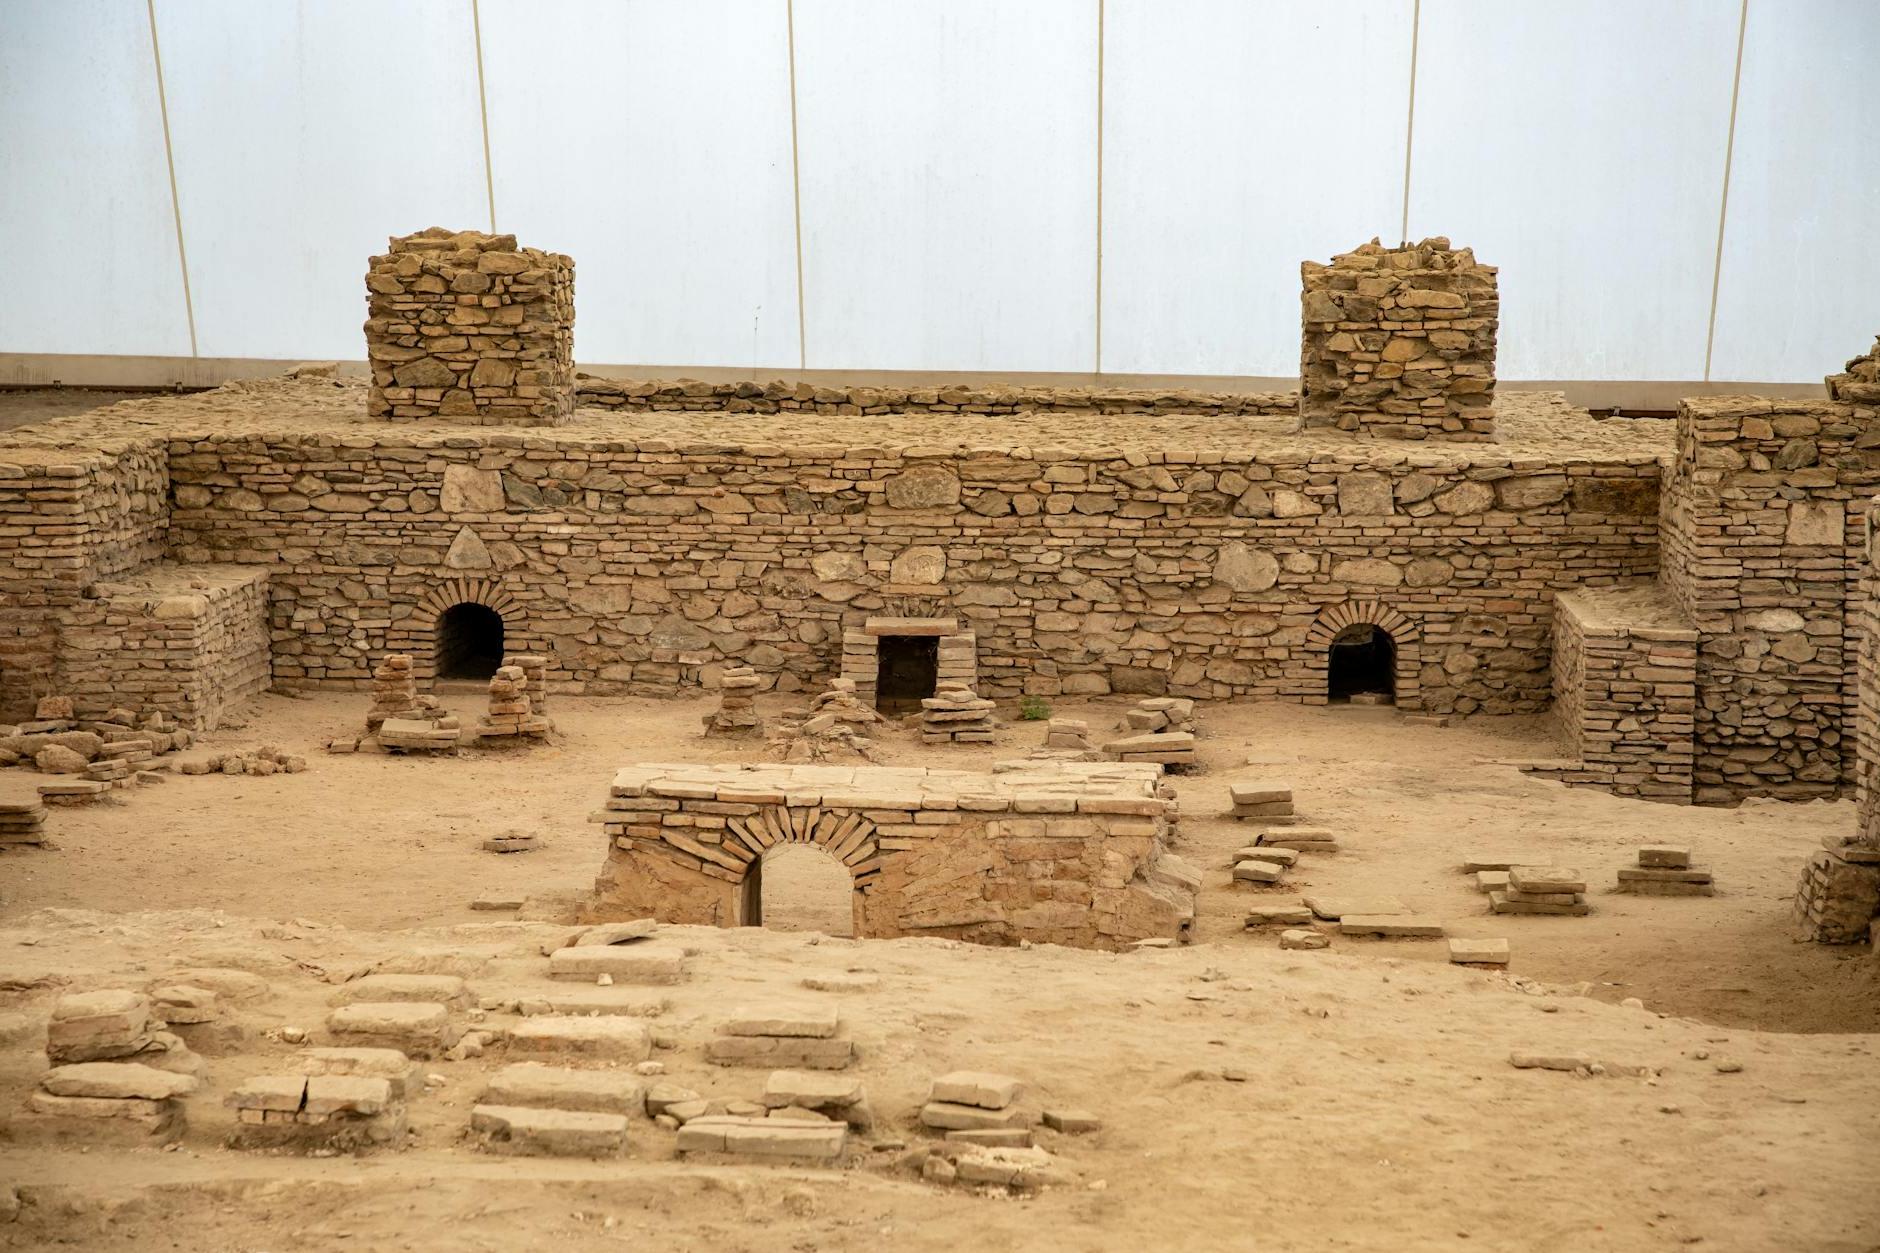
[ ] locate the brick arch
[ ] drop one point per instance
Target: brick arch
(847, 836)
(417, 634)
(1405, 637)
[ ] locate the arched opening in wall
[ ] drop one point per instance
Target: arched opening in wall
(907, 668)
(1362, 666)
(800, 887)
(469, 642)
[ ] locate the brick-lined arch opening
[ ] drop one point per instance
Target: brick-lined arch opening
(801, 887)
(845, 842)
(422, 630)
(1364, 646)
(469, 642)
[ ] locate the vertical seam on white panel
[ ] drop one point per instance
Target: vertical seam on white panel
(1099, 311)
(483, 111)
(796, 187)
(1723, 203)
(169, 162)
(1410, 117)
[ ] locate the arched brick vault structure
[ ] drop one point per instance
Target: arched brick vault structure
(1406, 638)
(850, 838)
(416, 633)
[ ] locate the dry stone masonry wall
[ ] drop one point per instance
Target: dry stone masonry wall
(1400, 342)
(783, 396)
(470, 328)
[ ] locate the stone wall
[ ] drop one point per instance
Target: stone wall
(782, 396)
(1057, 853)
(635, 564)
(466, 326)
(1400, 342)
(67, 518)
(1625, 675)
(1760, 552)
(186, 641)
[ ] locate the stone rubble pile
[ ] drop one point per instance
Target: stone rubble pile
(511, 712)
(1400, 343)
(736, 713)
(1541, 890)
(109, 748)
(465, 326)
(837, 725)
(1859, 384)
(1162, 730)
(1666, 870)
(954, 715)
(22, 823)
(259, 761)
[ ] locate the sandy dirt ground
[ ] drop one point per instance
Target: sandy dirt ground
(1359, 1098)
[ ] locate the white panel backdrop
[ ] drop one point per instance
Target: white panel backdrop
(947, 174)
(1580, 147)
(1801, 253)
(651, 142)
(305, 134)
(84, 191)
(1216, 184)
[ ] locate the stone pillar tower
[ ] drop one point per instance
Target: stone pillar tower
(467, 327)
(1400, 343)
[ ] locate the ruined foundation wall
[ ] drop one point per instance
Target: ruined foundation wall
(1625, 672)
(632, 565)
(781, 396)
(1761, 552)
(67, 519)
(186, 641)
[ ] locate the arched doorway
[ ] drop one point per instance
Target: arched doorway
(1362, 663)
(800, 887)
(469, 642)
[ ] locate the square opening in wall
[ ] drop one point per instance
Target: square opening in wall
(907, 667)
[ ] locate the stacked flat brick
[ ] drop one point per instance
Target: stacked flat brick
(1400, 343)
(1666, 870)
(467, 327)
(1065, 853)
(736, 713)
(511, 714)
(953, 715)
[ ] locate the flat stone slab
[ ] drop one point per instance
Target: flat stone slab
(616, 933)
(1278, 916)
(1491, 880)
(388, 989)
(549, 1132)
(1496, 861)
(116, 1080)
(1072, 1120)
(1251, 871)
(614, 1037)
(1664, 856)
(982, 1088)
(281, 1094)
(794, 1021)
(1500, 903)
(811, 1090)
(390, 1065)
(1303, 938)
(1478, 952)
(606, 1001)
(1305, 839)
(953, 1116)
(1545, 879)
(763, 1137)
(1268, 852)
(1549, 1061)
(537, 1086)
(780, 1053)
(415, 1027)
(1654, 874)
(356, 1096)
(1391, 926)
(645, 962)
(1260, 792)
(1333, 908)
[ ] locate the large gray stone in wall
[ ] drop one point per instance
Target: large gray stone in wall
(1245, 569)
(470, 490)
(468, 552)
(923, 487)
(1365, 494)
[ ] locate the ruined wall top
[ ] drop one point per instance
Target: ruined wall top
(1400, 342)
(1860, 383)
(469, 327)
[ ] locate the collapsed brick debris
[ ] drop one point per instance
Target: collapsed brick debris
(1666, 870)
(1541, 890)
(92, 752)
(837, 725)
(736, 713)
(1400, 343)
(511, 713)
(22, 823)
(467, 327)
(954, 715)
(1163, 731)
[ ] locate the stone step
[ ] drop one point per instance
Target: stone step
(763, 1137)
(419, 1028)
(536, 1086)
(645, 962)
(614, 1037)
(1390, 926)
(393, 988)
(549, 1132)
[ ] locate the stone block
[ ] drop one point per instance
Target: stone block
(780, 1053)
(953, 1116)
(1465, 952)
(813, 1021)
(392, 988)
(981, 1088)
(615, 1038)
(549, 1132)
(539, 1086)
(417, 1028)
(645, 962)
(763, 1137)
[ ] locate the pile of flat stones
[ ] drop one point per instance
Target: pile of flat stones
(91, 754)
(954, 715)
(1162, 730)
(1666, 870)
(837, 725)
(22, 823)
(511, 713)
(1541, 890)
(736, 713)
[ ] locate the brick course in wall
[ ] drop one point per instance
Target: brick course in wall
(468, 327)
(1400, 342)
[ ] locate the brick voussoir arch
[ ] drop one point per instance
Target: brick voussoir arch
(417, 635)
(845, 835)
(1405, 636)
